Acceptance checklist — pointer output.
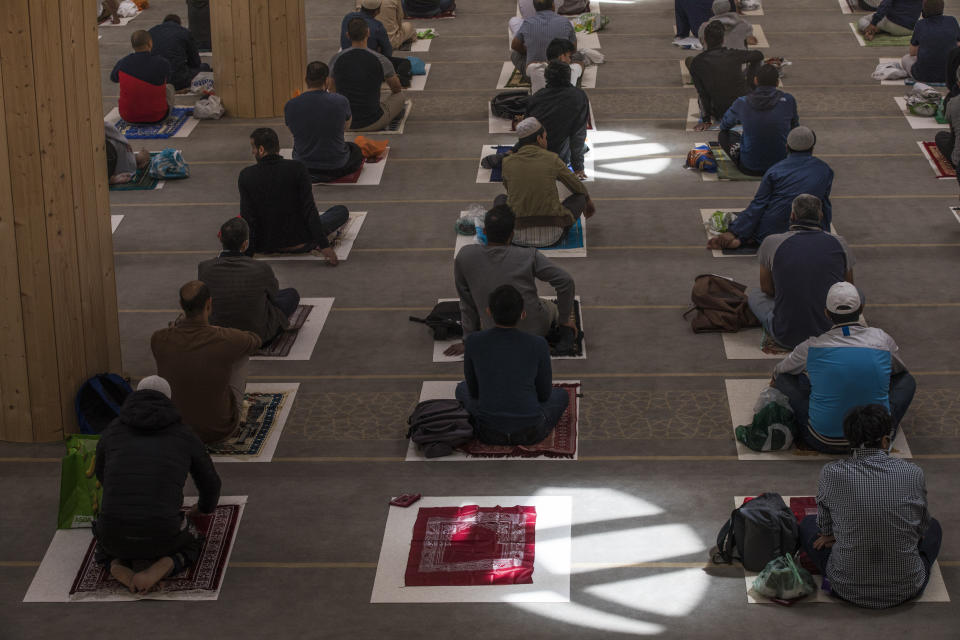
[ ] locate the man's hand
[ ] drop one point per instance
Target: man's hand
(331, 256)
(824, 542)
(870, 32)
(751, 40)
(456, 349)
(194, 512)
(582, 175)
(590, 209)
(725, 240)
(773, 381)
(702, 126)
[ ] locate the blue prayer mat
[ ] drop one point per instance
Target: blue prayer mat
(165, 129)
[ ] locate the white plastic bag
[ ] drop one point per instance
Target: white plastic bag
(209, 108)
(889, 71)
(127, 9)
(202, 82)
(771, 394)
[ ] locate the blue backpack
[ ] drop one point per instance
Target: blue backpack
(98, 401)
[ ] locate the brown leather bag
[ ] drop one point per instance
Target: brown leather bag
(721, 305)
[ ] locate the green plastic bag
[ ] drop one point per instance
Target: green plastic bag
(784, 580)
(590, 22)
(80, 491)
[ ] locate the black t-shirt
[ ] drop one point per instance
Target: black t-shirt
(358, 74)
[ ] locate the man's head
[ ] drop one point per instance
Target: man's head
(806, 210)
(844, 303)
(868, 426)
(140, 40)
(155, 383)
(498, 224)
(234, 234)
(317, 74)
(195, 300)
(371, 7)
(560, 49)
(557, 74)
(801, 139)
(264, 142)
(505, 306)
(932, 8)
(713, 34)
(530, 131)
(768, 76)
(172, 17)
(358, 31)
(543, 5)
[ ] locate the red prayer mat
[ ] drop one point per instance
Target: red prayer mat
(350, 178)
(942, 167)
(94, 580)
(469, 546)
(561, 443)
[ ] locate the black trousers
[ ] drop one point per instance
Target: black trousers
(353, 163)
(729, 138)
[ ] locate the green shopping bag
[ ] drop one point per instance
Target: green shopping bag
(784, 580)
(80, 491)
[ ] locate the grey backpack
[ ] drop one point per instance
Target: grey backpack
(757, 532)
(440, 426)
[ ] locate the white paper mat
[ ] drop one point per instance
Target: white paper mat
(310, 331)
(350, 232)
(370, 175)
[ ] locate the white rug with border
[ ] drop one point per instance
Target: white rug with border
(309, 333)
(348, 237)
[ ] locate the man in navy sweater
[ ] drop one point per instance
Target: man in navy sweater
(175, 43)
(896, 17)
(508, 386)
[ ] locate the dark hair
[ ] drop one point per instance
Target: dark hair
(768, 76)
(506, 305)
(140, 38)
(233, 233)
(193, 297)
(357, 29)
(267, 138)
(557, 74)
(317, 73)
(498, 224)
(932, 8)
(542, 5)
(172, 17)
(713, 34)
(844, 318)
(558, 47)
(866, 425)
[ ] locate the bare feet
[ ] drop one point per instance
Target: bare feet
(122, 573)
(146, 580)
(702, 126)
(725, 240)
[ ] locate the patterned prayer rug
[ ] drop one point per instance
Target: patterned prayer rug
(941, 166)
(141, 181)
(281, 345)
(396, 123)
(726, 168)
(561, 443)
(769, 345)
(574, 239)
(165, 129)
(464, 546)
(94, 581)
(249, 437)
(516, 81)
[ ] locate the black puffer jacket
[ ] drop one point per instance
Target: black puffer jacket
(143, 458)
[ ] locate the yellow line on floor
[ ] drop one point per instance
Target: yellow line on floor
(585, 376)
(23, 459)
(19, 563)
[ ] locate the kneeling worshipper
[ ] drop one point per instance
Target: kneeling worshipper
(122, 162)
(872, 539)
(947, 140)
(175, 43)
(530, 175)
(142, 461)
(738, 33)
(894, 17)
(508, 380)
(848, 366)
(718, 75)
(145, 97)
(564, 112)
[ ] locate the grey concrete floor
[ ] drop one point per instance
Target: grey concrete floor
(653, 390)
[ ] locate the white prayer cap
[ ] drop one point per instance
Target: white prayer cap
(528, 127)
(155, 383)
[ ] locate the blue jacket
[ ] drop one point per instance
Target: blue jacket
(767, 115)
(377, 40)
(769, 212)
(902, 12)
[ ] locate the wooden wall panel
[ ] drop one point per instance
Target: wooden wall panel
(224, 65)
(243, 57)
(259, 41)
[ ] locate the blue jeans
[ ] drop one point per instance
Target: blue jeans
(690, 14)
(287, 300)
(762, 306)
(538, 429)
(928, 547)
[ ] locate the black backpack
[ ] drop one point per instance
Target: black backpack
(511, 105)
(404, 71)
(440, 426)
(757, 532)
(99, 400)
(443, 320)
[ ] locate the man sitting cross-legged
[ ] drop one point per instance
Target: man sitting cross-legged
(738, 33)
(205, 365)
(797, 268)
(718, 75)
(767, 115)
(508, 380)
(559, 49)
(530, 175)
(391, 17)
(276, 200)
(317, 119)
(769, 211)
(357, 73)
(245, 292)
(847, 366)
(896, 17)
(377, 40)
(175, 43)
(873, 538)
(428, 8)
(479, 269)
(122, 161)
(531, 40)
(564, 112)
(934, 37)
(145, 95)
(142, 462)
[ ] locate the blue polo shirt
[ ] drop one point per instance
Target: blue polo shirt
(935, 38)
(377, 40)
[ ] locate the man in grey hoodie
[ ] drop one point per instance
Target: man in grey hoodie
(738, 33)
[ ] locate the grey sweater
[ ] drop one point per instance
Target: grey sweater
(479, 269)
(736, 30)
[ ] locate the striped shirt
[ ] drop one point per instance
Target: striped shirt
(539, 30)
(875, 506)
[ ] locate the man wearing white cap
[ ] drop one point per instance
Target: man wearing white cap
(530, 175)
(391, 17)
(848, 366)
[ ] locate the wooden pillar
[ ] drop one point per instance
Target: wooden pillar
(259, 54)
(58, 302)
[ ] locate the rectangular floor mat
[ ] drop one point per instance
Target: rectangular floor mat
(942, 168)
(115, 221)
(307, 336)
(370, 175)
(256, 440)
(342, 245)
(726, 253)
(587, 81)
(180, 125)
(917, 122)
(123, 21)
(880, 40)
(745, 345)
(575, 245)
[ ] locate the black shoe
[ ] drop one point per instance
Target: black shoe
(568, 343)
